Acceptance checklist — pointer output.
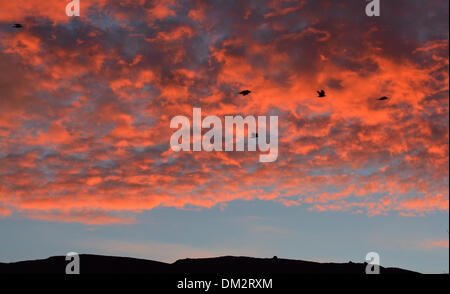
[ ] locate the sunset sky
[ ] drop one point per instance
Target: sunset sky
(86, 104)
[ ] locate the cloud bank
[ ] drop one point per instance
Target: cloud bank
(86, 103)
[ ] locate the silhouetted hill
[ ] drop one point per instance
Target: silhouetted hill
(98, 264)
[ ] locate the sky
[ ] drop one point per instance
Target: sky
(86, 104)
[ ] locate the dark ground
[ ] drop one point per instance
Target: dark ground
(98, 264)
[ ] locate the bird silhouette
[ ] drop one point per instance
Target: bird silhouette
(245, 92)
(383, 98)
(17, 26)
(321, 93)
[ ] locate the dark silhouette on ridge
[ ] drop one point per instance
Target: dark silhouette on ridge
(245, 92)
(98, 264)
(17, 26)
(383, 98)
(321, 93)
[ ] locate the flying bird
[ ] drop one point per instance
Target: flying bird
(321, 93)
(17, 26)
(383, 98)
(245, 92)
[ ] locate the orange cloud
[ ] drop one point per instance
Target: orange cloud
(86, 105)
(4, 212)
(443, 243)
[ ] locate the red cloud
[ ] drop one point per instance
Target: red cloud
(86, 105)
